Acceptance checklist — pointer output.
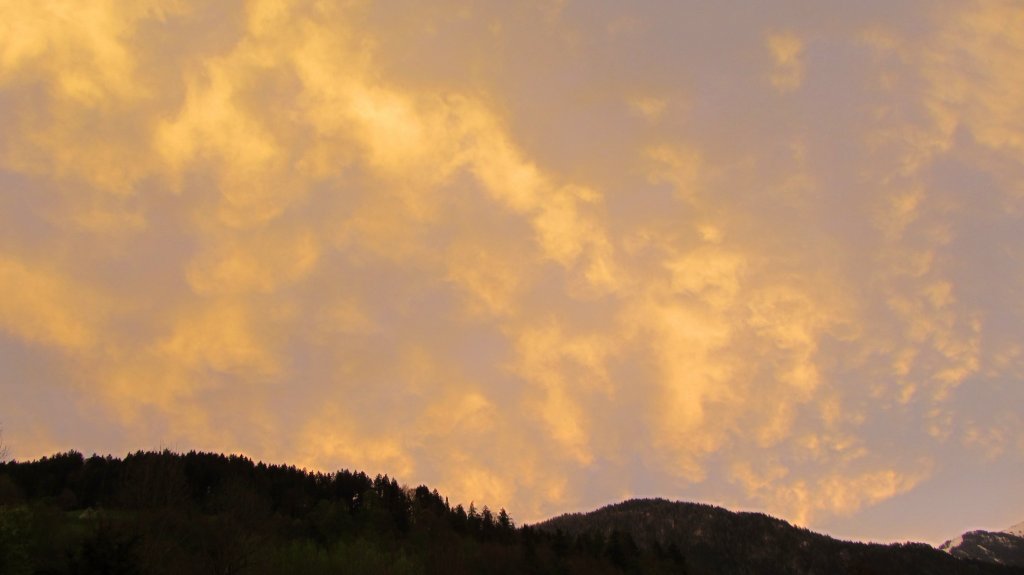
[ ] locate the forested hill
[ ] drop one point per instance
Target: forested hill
(167, 513)
(712, 538)
(196, 513)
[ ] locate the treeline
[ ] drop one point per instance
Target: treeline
(161, 512)
(195, 513)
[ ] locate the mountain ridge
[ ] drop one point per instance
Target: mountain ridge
(712, 537)
(169, 513)
(1001, 547)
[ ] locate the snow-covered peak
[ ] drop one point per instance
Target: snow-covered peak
(1005, 547)
(1017, 529)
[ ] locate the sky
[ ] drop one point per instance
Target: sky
(542, 255)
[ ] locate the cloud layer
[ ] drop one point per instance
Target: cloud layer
(542, 255)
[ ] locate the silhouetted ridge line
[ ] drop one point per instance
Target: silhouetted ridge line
(169, 513)
(714, 539)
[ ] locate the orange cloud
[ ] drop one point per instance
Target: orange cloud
(787, 65)
(46, 307)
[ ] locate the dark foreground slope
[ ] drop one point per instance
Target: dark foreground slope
(202, 513)
(197, 513)
(714, 540)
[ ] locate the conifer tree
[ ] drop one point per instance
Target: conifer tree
(504, 521)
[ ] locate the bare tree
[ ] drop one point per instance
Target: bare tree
(3, 446)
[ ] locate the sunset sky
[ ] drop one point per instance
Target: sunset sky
(541, 254)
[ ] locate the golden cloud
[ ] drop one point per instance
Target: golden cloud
(787, 66)
(43, 306)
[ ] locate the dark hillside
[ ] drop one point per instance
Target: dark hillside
(165, 513)
(715, 540)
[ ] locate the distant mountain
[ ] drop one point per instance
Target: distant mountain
(1003, 547)
(715, 540)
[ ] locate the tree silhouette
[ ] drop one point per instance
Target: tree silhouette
(3, 446)
(504, 521)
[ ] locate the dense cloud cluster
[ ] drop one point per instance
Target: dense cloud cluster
(544, 254)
